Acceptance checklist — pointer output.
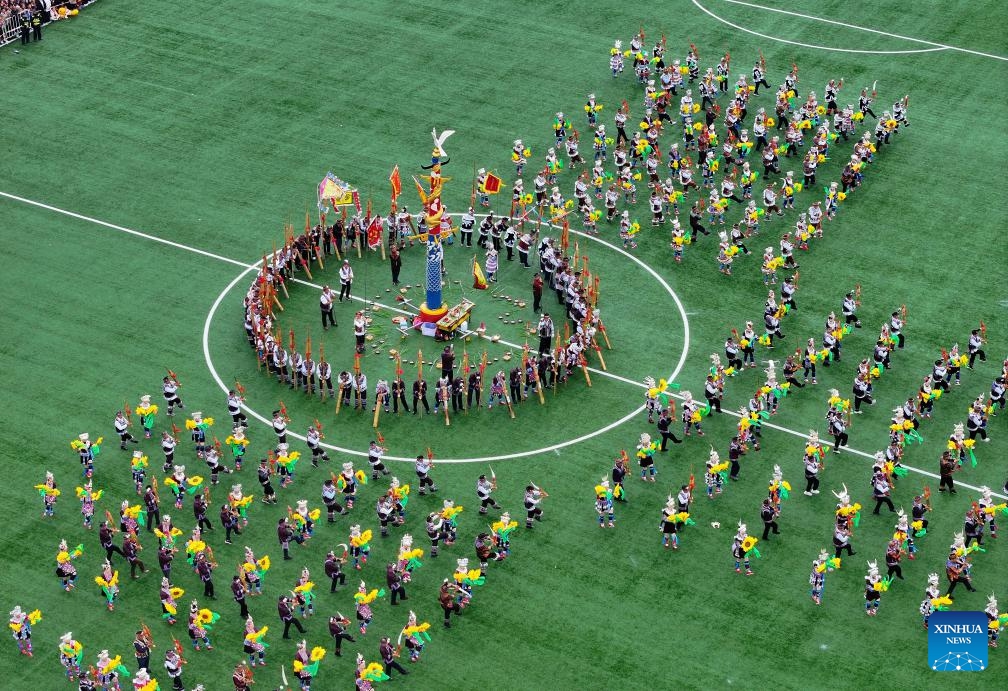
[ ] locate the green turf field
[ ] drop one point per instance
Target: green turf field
(209, 126)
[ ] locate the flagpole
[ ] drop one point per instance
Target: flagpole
(381, 241)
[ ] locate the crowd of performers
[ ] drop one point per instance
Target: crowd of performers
(695, 124)
(462, 384)
(710, 153)
(341, 496)
(799, 371)
(678, 129)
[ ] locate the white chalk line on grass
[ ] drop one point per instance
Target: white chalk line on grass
(250, 267)
(355, 452)
(813, 46)
(483, 459)
(911, 468)
(846, 449)
(937, 46)
(130, 231)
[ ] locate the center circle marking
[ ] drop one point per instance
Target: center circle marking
(480, 459)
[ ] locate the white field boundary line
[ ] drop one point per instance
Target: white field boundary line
(244, 265)
(940, 46)
(846, 449)
(249, 267)
(122, 229)
(811, 45)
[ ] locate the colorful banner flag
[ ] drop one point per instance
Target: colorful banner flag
(479, 280)
(396, 183)
(374, 230)
(492, 184)
(332, 188)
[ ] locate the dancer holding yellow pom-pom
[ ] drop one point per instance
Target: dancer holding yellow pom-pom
(199, 426)
(715, 474)
(502, 530)
(148, 414)
(645, 457)
(672, 515)
(87, 450)
(933, 599)
(519, 156)
(20, 624)
(71, 653)
(604, 504)
(239, 443)
(200, 624)
(368, 673)
(138, 468)
(363, 599)
(64, 564)
(108, 581)
(592, 109)
(169, 598)
(817, 579)
(180, 484)
(691, 415)
(616, 58)
(742, 546)
(303, 519)
(48, 491)
(359, 546)
(415, 633)
(239, 502)
(874, 587)
(304, 598)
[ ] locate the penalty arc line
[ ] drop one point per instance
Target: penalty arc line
(810, 45)
(938, 46)
(250, 267)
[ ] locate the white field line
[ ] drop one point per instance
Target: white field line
(249, 267)
(811, 45)
(939, 46)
